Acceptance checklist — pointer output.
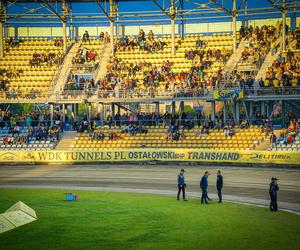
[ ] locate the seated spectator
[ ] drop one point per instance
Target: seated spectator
(273, 140)
(86, 37)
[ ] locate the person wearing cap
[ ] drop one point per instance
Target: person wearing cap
(219, 185)
(181, 184)
(273, 194)
(203, 186)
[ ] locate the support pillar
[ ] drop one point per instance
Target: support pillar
(283, 25)
(64, 112)
(100, 111)
(283, 110)
(213, 111)
(181, 20)
(234, 24)
(224, 112)
(262, 107)
(251, 110)
(237, 112)
(172, 16)
(64, 25)
(173, 108)
(90, 113)
(119, 108)
(181, 107)
(51, 114)
(113, 111)
(157, 108)
(294, 19)
(173, 36)
(111, 23)
(65, 36)
(1, 40)
(1, 32)
(269, 109)
(76, 109)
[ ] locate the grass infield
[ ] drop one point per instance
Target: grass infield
(101, 220)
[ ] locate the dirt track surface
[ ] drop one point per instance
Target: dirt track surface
(243, 182)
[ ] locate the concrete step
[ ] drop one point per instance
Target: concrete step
(105, 57)
(66, 141)
(234, 58)
(65, 70)
(268, 62)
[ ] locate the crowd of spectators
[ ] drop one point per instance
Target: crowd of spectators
(261, 41)
(285, 71)
(47, 58)
(105, 37)
(149, 44)
(13, 42)
(6, 74)
(84, 55)
(287, 134)
(58, 42)
(20, 129)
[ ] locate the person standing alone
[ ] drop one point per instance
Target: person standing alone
(203, 186)
(219, 185)
(181, 184)
(273, 194)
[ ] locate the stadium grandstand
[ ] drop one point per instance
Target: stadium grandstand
(221, 77)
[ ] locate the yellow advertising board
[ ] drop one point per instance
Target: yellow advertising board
(222, 95)
(134, 155)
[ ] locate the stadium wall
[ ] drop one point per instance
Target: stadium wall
(158, 29)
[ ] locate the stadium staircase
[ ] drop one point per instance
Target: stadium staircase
(63, 72)
(235, 58)
(67, 139)
(264, 144)
(268, 62)
(105, 56)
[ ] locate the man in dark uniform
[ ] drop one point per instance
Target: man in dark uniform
(181, 184)
(273, 194)
(219, 185)
(203, 186)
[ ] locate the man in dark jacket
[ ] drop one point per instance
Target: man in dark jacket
(273, 194)
(181, 184)
(219, 185)
(203, 186)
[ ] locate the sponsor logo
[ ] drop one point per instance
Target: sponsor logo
(8, 157)
(270, 156)
(29, 156)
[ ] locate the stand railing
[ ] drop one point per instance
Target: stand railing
(112, 95)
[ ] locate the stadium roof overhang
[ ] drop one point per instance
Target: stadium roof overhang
(37, 12)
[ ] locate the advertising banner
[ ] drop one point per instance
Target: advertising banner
(132, 155)
(223, 95)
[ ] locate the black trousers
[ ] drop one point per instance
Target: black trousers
(273, 203)
(204, 196)
(220, 195)
(181, 188)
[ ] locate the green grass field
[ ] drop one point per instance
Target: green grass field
(134, 221)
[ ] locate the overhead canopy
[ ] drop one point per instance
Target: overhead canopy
(82, 12)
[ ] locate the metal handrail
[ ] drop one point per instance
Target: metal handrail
(94, 94)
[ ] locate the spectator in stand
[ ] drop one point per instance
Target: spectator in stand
(273, 139)
(86, 37)
(142, 35)
(106, 37)
(150, 35)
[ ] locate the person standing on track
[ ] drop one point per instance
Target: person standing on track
(203, 186)
(273, 194)
(181, 184)
(219, 185)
